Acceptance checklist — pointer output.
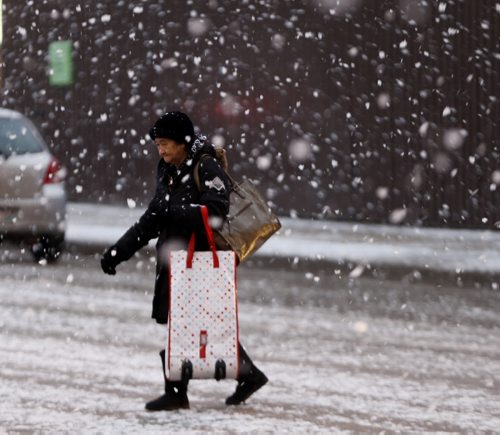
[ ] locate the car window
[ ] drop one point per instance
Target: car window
(17, 137)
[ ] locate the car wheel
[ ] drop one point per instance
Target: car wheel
(48, 248)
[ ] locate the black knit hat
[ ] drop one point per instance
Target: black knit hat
(173, 125)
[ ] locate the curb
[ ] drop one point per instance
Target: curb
(344, 269)
(339, 268)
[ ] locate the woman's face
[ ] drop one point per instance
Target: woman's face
(170, 150)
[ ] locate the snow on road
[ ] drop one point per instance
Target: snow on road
(78, 351)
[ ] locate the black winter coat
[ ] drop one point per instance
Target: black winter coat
(174, 214)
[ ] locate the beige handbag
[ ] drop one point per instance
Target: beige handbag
(249, 222)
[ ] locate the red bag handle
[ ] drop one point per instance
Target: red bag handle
(210, 238)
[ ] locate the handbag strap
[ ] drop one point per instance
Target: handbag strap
(196, 173)
(210, 238)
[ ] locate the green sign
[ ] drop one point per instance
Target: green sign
(61, 63)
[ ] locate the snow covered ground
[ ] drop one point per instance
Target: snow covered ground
(78, 352)
(455, 251)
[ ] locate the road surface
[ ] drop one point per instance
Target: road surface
(78, 351)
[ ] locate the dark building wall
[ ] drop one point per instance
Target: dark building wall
(378, 111)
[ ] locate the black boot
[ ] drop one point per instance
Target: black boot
(250, 379)
(175, 396)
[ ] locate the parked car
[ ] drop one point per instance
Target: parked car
(32, 193)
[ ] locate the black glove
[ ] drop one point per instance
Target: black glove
(109, 261)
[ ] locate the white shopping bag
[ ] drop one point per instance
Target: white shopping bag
(203, 314)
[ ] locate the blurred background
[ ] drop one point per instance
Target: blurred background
(359, 110)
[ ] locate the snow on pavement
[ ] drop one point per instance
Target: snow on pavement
(440, 249)
(79, 352)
